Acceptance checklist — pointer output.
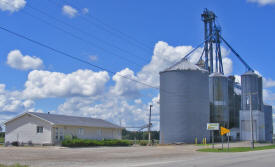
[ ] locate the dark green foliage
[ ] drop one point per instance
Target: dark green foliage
(94, 143)
(15, 143)
(132, 135)
(2, 134)
(143, 142)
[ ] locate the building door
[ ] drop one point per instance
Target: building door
(61, 134)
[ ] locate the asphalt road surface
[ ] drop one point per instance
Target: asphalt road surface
(158, 156)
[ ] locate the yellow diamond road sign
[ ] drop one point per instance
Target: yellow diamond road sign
(224, 131)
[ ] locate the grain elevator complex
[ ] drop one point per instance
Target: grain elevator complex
(194, 94)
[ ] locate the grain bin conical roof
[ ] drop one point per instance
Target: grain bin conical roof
(184, 65)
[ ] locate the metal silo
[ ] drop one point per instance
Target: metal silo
(218, 95)
(184, 103)
(268, 123)
(252, 87)
(252, 84)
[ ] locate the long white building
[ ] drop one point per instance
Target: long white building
(41, 128)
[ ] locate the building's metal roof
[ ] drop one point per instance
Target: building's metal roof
(74, 120)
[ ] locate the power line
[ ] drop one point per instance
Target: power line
(93, 44)
(83, 32)
(72, 57)
(84, 61)
(110, 29)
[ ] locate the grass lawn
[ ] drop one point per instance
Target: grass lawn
(203, 144)
(236, 149)
(16, 165)
(2, 140)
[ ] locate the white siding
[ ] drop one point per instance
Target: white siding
(89, 132)
(23, 129)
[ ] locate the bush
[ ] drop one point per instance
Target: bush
(93, 143)
(30, 143)
(15, 143)
(143, 142)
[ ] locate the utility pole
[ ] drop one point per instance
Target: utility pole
(251, 120)
(149, 126)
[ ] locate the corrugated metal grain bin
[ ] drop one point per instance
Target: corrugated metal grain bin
(268, 123)
(184, 103)
(218, 95)
(252, 84)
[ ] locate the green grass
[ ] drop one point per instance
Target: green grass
(15, 165)
(2, 140)
(203, 144)
(236, 149)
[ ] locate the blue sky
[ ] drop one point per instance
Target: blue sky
(105, 33)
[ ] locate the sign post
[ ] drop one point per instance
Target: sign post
(222, 142)
(212, 127)
(228, 134)
(223, 132)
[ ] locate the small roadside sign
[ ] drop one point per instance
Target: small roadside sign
(224, 131)
(213, 126)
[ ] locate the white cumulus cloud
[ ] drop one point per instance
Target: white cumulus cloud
(12, 5)
(166, 55)
(69, 11)
(85, 11)
(268, 82)
(262, 2)
(125, 87)
(13, 103)
(112, 108)
(16, 60)
(44, 84)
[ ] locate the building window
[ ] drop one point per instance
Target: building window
(56, 133)
(39, 129)
(81, 131)
(61, 133)
(99, 132)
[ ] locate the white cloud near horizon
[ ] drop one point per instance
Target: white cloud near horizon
(262, 2)
(163, 57)
(45, 84)
(87, 93)
(17, 60)
(12, 5)
(13, 103)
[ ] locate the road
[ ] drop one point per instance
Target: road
(160, 156)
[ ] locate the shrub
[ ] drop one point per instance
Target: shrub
(93, 143)
(15, 143)
(143, 142)
(30, 143)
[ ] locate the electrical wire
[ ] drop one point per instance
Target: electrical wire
(71, 56)
(84, 61)
(106, 27)
(83, 32)
(90, 43)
